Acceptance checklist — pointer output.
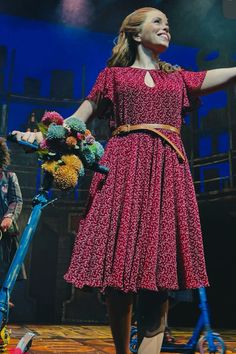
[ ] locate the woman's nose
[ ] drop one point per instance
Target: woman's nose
(166, 28)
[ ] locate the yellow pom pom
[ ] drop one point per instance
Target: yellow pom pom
(49, 166)
(71, 141)
(72, 161)
(65, 177)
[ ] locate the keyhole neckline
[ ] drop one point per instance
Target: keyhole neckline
(148, 80)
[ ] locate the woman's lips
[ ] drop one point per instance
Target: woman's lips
(164, 36)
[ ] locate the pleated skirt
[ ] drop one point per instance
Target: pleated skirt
(141, 229)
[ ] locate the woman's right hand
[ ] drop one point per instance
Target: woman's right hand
(30, 137)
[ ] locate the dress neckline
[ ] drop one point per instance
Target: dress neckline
(145, 69)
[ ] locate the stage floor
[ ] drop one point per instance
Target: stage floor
(67, 339)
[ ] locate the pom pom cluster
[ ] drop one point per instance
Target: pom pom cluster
(66, 147)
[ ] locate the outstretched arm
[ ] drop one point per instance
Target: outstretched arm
(217, 79)
(85, 111)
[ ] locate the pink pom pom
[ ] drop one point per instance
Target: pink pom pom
(80, 136)
(52, 117)
(44, 145)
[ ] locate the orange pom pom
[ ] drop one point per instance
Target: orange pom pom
(71, 141)
(87, 132)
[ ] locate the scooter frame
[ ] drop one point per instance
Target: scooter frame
(203, 338)
(40, 201)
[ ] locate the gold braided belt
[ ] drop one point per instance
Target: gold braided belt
(127, 128)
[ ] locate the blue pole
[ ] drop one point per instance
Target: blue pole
(40, 201)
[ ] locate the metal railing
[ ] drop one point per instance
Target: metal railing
(223, 185)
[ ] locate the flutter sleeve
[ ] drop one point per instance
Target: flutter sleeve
(102, 93)
(192, 82)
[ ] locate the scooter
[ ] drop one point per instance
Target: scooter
(203, 339)
(39, 202)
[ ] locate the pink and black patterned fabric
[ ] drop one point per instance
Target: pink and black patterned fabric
(142, 229)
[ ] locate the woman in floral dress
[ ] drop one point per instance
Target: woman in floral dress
(141, 232)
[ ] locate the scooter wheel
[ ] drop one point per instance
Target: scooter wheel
(203, 345)
(133, 344)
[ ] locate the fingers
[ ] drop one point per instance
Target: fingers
(5, 224)
(38, 137)
(18, 134)
(31, 138)
(26, 136)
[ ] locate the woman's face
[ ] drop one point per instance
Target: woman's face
(155, 34)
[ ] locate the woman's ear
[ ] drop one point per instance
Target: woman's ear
(137, 37)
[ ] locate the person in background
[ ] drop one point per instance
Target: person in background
(10, 208)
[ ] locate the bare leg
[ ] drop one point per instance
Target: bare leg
(152, 314)
(120, 313)
(151, 345)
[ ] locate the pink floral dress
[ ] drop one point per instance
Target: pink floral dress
(142, 227)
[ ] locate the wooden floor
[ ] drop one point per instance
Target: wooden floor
(66, 339)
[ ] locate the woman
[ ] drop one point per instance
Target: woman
(10, 208)
(141, 233)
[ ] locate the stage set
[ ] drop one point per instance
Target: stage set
(50, 56)
(89, 339)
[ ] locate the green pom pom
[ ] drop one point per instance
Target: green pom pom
(56, 132)
(99, 150)
(75, 124)
(81, 171)
(88, 155)
(92, 148)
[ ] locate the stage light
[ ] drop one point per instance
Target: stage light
(75, 12)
